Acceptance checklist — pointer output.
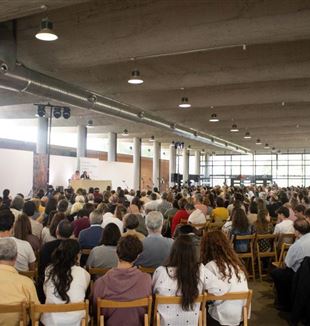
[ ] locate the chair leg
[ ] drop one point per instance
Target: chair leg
(245, 316)
(259, 268)
(253, 267)
(200, 319)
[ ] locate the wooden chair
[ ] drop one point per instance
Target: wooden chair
(37, 309)
(264, 254)
(20, 308)
(95, 273)
(250, 253)
(247, 296)
(149, 270)
(85, 252)
(31, 274)
(177, 300)
(283, 252)
(144, 302)
(288, 238)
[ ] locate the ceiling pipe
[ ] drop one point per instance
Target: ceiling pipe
(22, 79)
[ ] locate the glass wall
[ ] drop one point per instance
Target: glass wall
(284, 169)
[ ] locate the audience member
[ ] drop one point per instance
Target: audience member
(285, 225)
(29, 209)
(220, 213)
(25, 256)
(15, 288)
(131, 223)
(181, 214)
(164, 204)
(153, 204)
(221, 260)
(81, 222)
(183, 275)
(90, 237)
(124, 283)
(104, 255)
(17, 206)
(65, 282)
(22, 230)
(116, 219)
(263, 226)
(156, 248)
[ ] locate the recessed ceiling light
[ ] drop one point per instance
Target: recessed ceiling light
(125, 133)
(258, 142)
(135, 78)
(266, 146)
(214, 118)
(152, 138)
(247, 135)
(184, 103)
(234, 128)
(46, 32)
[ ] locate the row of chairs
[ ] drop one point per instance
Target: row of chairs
(254, 250)
(203, 300)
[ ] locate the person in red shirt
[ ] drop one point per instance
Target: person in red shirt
(182, 214)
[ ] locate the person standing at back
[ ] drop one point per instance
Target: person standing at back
(156, 248)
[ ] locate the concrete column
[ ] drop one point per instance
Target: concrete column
(185, 165)
(82, 140)
(207, 172)
(112, 151)
(197, 163)
(172, 163)
(156, 164)
(42, 134)
(136, 163)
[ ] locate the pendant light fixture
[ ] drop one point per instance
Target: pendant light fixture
(90, 124)
(152, 138)
(46, 32)
(135, 78)
(247, 135)
(214, 118)
(184, 103)
(266, 146)
(258, 142)
(125, 133)
(234, 128)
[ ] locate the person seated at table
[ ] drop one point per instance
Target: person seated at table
(124, 283)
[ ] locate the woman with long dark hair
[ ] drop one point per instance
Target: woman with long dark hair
(65, 282)
(183, 276)
(222, 261)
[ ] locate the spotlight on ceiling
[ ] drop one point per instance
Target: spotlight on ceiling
(46, 32)
(135, 78)
(266, 146)
(152, 138)
(273, 149)
(234, 128)
(214, 118)
(258, 142)
(125, 133)
(57, 112)
(90, 124)
(41, 111)
(184, 103)
(66, 113)
(247, 135)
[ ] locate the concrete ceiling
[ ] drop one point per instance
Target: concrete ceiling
(195, 45)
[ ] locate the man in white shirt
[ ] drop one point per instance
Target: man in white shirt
(285, 225)
(25, 256)
(283, 277)
(153, 204)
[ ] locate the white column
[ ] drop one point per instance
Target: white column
(82, 141)
(112, 151)
(42, 133)
(197, 163)
(207, 172)
(136, 163)
(156, 164)
(185, 165)
(172, 163)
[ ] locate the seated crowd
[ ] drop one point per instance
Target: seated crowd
(188, 239)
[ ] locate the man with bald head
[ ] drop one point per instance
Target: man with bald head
(15, 288)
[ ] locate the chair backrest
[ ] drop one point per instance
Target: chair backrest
(250, 238)
(50, 308)
(269, 237)
(20, 308)
(286, 238)
(85, 252)
(284, 249)
(97, 271)
(159, 299)
(149, 270)
(143, 302)
(30, 274)
(247, 296)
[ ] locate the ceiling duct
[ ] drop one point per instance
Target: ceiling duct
(22, 79)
